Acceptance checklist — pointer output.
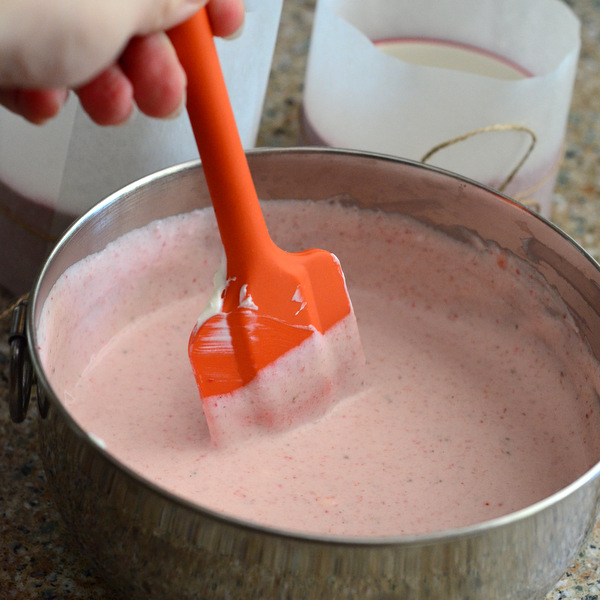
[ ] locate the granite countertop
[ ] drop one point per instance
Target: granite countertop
(37, 559)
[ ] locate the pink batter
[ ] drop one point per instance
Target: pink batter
(480, 398)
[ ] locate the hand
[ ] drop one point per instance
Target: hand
(113, 53)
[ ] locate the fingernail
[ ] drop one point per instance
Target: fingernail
(237, 33)
(40, 106)
(177, 112)
(241, 10)
(133, 113)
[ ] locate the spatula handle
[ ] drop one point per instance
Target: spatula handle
(239, 216)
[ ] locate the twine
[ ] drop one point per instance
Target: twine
(35, 232)
(487, 129)
(522, 196)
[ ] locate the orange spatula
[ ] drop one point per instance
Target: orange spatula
(273, 302)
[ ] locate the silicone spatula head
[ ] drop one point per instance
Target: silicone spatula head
(280, 344)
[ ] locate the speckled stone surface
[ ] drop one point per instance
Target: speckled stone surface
(37, 559)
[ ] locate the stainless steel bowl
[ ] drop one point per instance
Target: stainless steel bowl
(150, 544)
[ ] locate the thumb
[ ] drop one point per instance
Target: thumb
(65, 43)
(158, 15)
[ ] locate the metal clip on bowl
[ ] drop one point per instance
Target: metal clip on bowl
(21, 377)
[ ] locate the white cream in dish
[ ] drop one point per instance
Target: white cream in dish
(480, 400)
(442, 54)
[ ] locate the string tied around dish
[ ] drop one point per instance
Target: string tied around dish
(523, 196)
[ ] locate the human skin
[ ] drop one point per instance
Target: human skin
(113, 54)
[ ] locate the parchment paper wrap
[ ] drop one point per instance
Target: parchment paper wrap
(358, 97)
(52, 173)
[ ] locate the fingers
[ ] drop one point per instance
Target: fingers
(148, 74)
(48, 47)
(226, 16)
(158, 80)
(37, 106)
(108, 98)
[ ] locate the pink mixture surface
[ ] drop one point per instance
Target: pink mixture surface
(480, 398)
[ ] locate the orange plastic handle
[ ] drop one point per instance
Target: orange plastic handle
(239, 216)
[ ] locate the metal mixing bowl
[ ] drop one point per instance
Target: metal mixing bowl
(150, 544)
